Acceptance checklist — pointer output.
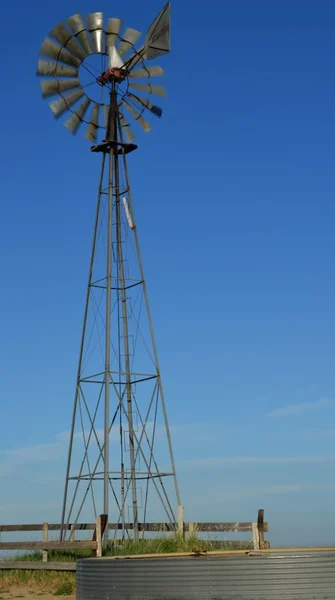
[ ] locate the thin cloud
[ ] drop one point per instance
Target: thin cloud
(235, 493)
(235, 461)
(299, 409)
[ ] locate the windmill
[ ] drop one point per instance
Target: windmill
(96, 75)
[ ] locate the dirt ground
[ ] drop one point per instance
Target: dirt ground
(30, 593)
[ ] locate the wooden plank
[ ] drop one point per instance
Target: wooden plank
(85, 545)
(51, 527)
(36, 566)
(240, 527)
(225, 553)
(243, 526)
(98, 537)
(181, 520)
(45, 539)
(255, 536)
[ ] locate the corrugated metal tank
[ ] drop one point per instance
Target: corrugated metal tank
(271, 577)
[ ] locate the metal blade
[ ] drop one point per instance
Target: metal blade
(51, 50)
(64, 38)
(159, 90)
(114, 60)
(77, 26)
(147, 72)
(74, 121)
(55, 86)
(128, 39)
(135, 58)
(128, 132)
(106, 113)
(54, 69)
(61, 105)
(143, 103)
(92, 129)
(95, 26)
(146, 126)
(112, 31)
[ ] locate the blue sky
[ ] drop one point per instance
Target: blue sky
(234, 196)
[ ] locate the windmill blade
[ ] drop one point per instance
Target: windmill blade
(61, 105)
(143, 103)
(53, 69)
(51, 50)
(147, 72)
(77, 26)
(95, 26)
(128, 132)
(135, 58)
(55, 86)
(112, 31)
(76, 118)
(146, 126)
(114, 59)
(92, 129)
(64, 38)
(106, 113)
(129, 39)
(159, 90)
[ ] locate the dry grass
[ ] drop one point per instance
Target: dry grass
(56, 581)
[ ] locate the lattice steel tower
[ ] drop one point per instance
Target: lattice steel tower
(117, 461)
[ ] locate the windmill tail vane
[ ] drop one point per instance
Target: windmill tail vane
(95, 74)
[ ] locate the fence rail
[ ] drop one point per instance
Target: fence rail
(242, 527)
(257, 528)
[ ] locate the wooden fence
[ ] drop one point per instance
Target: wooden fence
(257, 529)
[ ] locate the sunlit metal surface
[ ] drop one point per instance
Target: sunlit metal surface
(129, 39)
(77, 26)
(95, 26)
(149, 71)
(159, 90)
(208, 578)
(91, 133)
(51, 50)
(137, 116)
(64, 38)
(55, 86)
(54, 69)
(76, 118)
(61, 105)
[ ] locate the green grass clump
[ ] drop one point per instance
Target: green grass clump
(48, 581)
(64, 589)
(164, 545)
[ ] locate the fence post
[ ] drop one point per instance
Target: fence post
(190, 529)
(255, 536)
(73, 534)
(180, 520)
(260, 528)
(98, 537)
(45, 539)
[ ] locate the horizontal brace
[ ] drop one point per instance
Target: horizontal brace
(119, 382)
(48, 545)
(119, 478)
(117, 289)
(219, 526)
(31, 565)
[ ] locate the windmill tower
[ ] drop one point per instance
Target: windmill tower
(120, 459)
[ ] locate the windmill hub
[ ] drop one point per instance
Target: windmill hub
(112, 74)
